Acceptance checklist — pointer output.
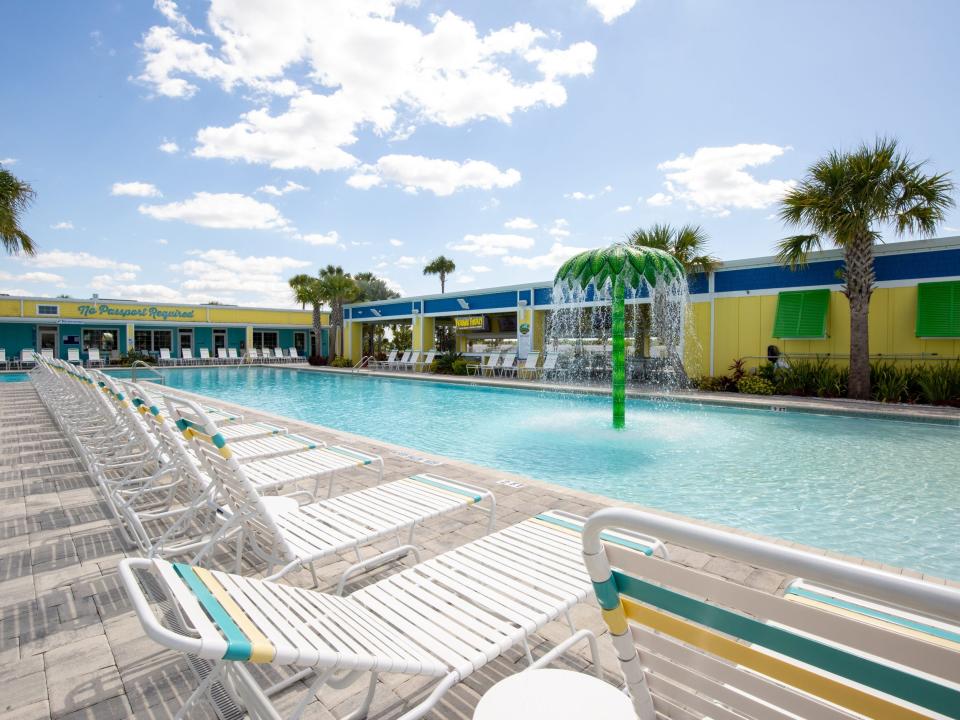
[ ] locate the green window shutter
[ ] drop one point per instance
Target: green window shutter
(938, 309)
(802, 314)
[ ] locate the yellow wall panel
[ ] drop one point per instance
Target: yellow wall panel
(696, 350)
(9, 308)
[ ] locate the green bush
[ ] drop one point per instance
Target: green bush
(341, 362)
(755, 385)
(802, 377)
(888, 383)
(832, 381)
(131, 357)
(459, 366)
(443, 365)
(721, 383)
(939, 383)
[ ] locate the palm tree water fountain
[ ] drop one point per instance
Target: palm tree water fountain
(615, 274)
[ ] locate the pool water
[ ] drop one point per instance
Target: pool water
(12, 377)
(874, 488)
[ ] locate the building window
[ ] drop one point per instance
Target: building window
(48, 309)
(802, 314)
(300, 343)
(105, 340)
(186, 339)
(265, 339)
(151, 340)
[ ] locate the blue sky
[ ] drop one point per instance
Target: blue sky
(200, 151)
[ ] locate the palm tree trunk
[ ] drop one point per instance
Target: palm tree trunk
(317, 330)
(443, 283)
(858, 287)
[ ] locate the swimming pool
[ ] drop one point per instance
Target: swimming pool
(12, 377)
(874, 488)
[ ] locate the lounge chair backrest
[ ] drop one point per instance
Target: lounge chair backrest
(221, 353)
(232, 354)
(531, 361)
(26, 355)
(124, 408)
(186, 353)
(278, 353)
(204, 354)
(294, 354)
(550, 361)
(429, 357)
(406, 356)
(164, 353)
(3, 355)
(47, 353)
(93, 354)
(73, 355)
(492, 359)
(240, 494)
(391, 356)
(254, 353)
(859, 643)
(507, 359)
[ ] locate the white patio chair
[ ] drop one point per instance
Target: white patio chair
(295, 356)
(253, 355)
(26, 358)
(93, 357)
(222, 357)
(46, 353)
(528, 366)
(233, 357)
(3, 358)
(73, 355)
(391, 357)
(186, 357)
(204, 358)
(165, 358)
(506, 363)
(427, 361)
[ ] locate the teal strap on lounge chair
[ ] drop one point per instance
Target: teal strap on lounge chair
(444, 486)
(310, 444)
(878, 614)
(340, 450)
(606, 537)
(889, 680)
(238, 646)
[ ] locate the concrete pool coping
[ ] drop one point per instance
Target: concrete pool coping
(935, 414)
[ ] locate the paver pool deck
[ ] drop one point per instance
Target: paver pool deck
(70, 646)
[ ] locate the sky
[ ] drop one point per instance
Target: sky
(207, 151)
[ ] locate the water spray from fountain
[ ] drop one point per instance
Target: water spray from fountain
(621, 272)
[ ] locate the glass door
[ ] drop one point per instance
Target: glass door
(47, 338)
(300, 343)
(219, 340)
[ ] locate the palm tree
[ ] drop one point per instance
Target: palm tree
(688, 244)
(336, 288)
(373, 288)
(441, 266)
(847, 198)
(15, 197)
(306, 291)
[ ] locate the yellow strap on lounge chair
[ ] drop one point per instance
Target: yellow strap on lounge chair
(261, 649)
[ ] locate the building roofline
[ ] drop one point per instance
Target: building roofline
(111, 301)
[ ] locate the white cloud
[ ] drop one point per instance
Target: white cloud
(624, 208)
(442, 177)
(520, 223)
(330, 238)
(135, 189)
(288, 188)
(365, 70)
(714, 179)
(168, 8)
(62, 225)
(162, 241)
(408, 261)
(393, 285)
(33, 277)
(479, 268)
(659, 199)
(395, 242)
(464, 279)
(951, 229)
(169, 147)
(487, 244)
(559, 229)
(8, 161)
(224, 275)
(62, 258)
(220, 210)
(578, 195)
(558, 254)
(610, 10)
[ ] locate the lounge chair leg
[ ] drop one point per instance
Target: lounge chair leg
(438, 692)
(313, 574)
(311, 692)
(361, 712)
(201, 690)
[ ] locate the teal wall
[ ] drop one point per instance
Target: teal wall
(236, 337)
(14, 337)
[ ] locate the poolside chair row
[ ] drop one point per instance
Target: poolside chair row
(504, 364)
(229, 356)
(409, 360)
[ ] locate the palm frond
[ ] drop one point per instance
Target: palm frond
(793, 250)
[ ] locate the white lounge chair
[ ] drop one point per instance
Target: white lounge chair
(186, 357)
(205, 358)
(93, 357)
(391, 357)
(26, 358)
(402, 362)
(426, 362)
(412, 362)
(253, 355)
(295, 356)
(215, 451)
(279, 356)
(46, 353)
(222, 357)
(165, 358)
(549, 367)
(233, 357)
(445, 618)
(847, 641)
(529, 365)
(3, 358)
(506, 363)
(73, 355)
(487, 363)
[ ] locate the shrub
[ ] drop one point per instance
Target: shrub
(755, 385)
(888, 383)
(939, 383)
(131, 357)
(721, 383)
(768, 371)
(341, 362)
(739, 369)
(800, 378)
(444, 363)
(832, 381)
(317, 360)
(459, 366)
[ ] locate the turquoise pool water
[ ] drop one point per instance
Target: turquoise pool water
(874, 488)
(12, 377)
